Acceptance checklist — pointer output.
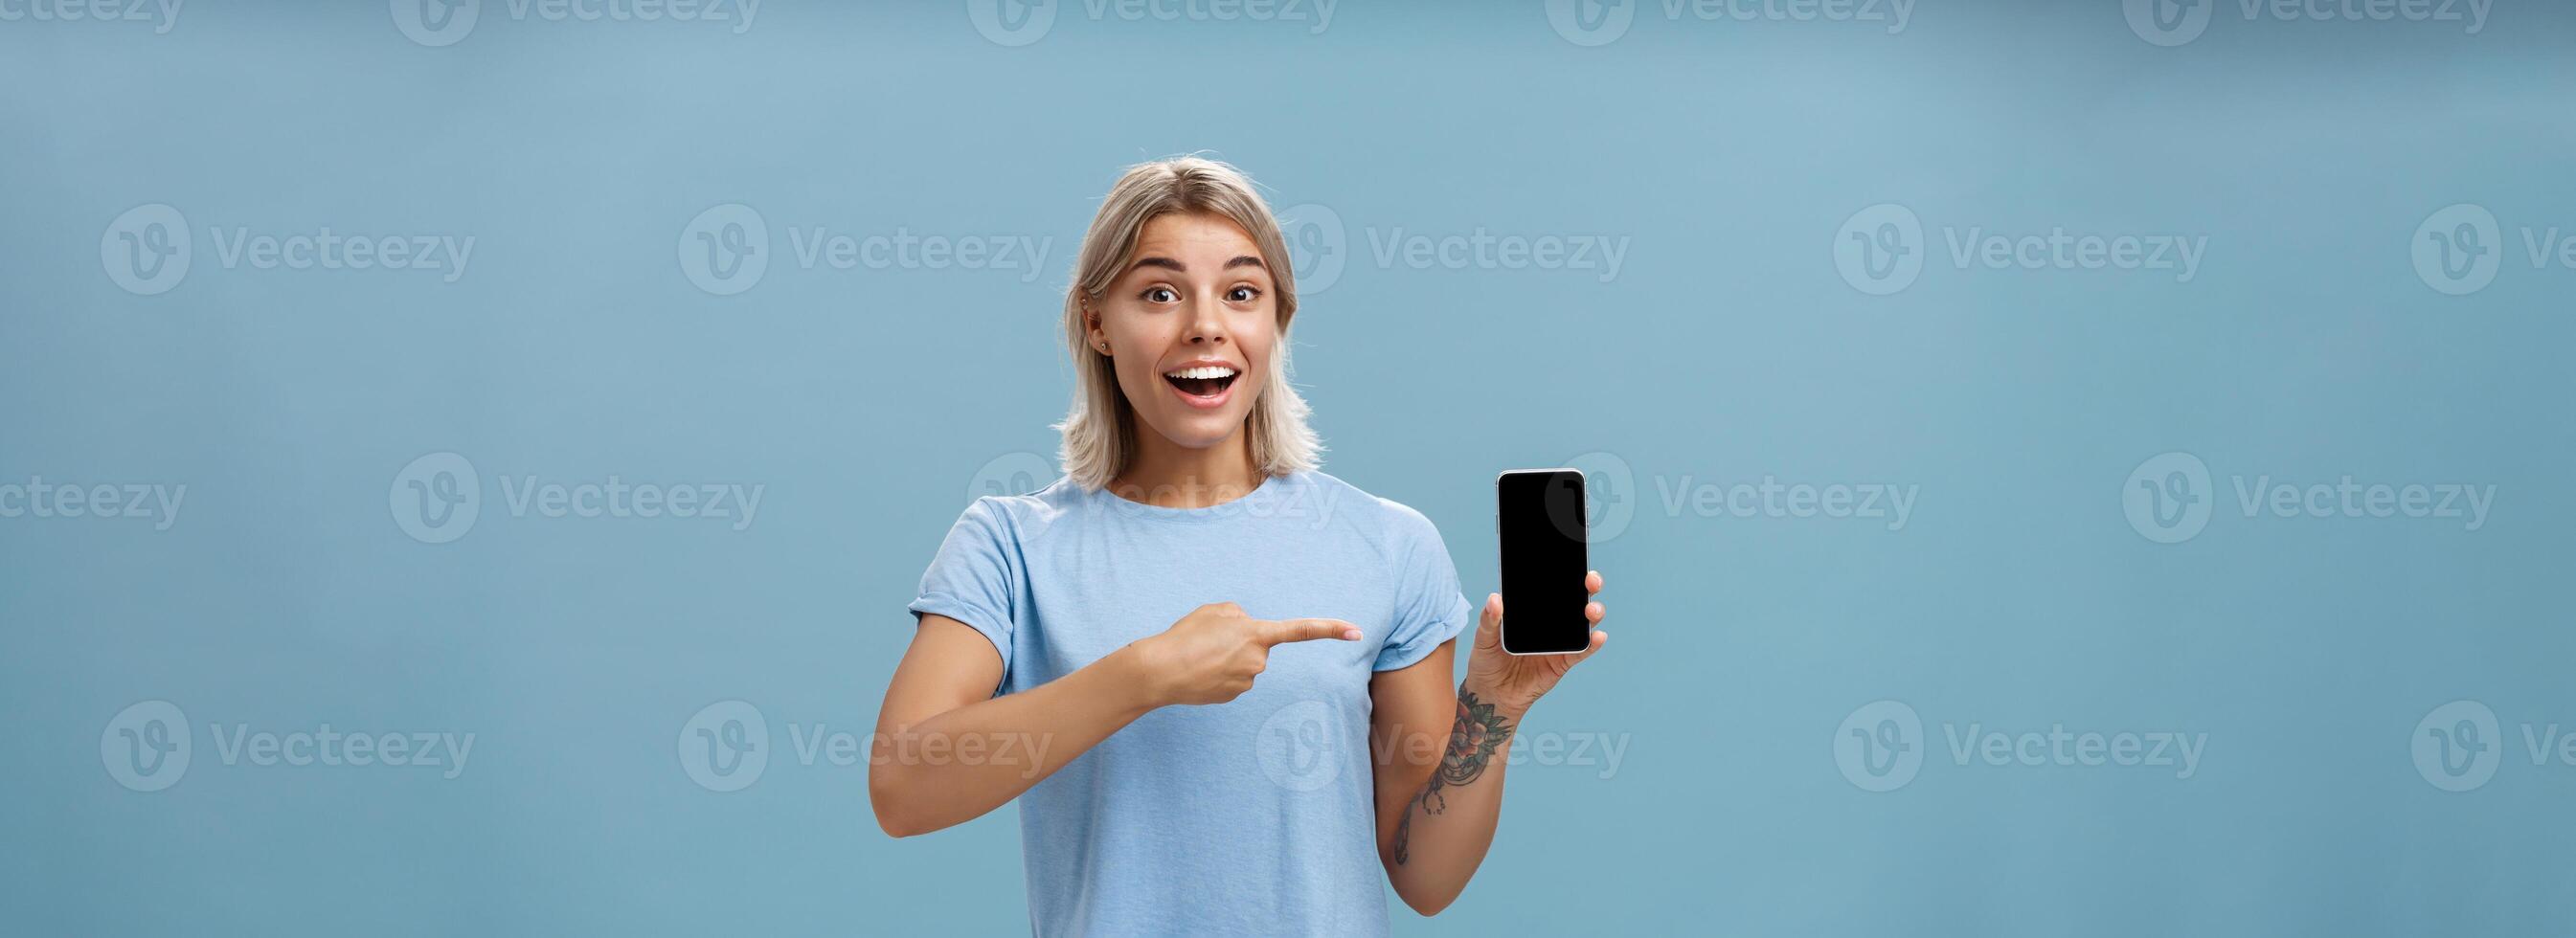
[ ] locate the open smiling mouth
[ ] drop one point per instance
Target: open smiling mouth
(1205, 382)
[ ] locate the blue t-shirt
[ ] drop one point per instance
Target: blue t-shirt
(1255, 816)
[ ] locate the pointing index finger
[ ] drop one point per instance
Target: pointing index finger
(1300, 630)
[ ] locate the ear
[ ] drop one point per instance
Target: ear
(1092, 334)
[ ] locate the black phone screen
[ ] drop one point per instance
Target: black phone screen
(1539, 519)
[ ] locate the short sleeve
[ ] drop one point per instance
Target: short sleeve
(1429, 609)
(970, 579)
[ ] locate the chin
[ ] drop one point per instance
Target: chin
(1200, 432)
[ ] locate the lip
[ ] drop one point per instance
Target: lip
(1212, 401)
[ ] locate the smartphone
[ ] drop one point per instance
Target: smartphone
(1538, 518)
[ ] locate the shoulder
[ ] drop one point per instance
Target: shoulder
(1395, 528)
(1012, 518)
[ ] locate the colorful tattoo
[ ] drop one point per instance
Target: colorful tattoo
(1477, 735)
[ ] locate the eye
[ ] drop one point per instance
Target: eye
(1159, 295)
(1243, 294)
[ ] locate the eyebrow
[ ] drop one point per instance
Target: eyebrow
(1244, 260)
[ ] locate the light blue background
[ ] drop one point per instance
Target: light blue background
(866, 403)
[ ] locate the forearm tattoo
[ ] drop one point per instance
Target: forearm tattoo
(1478, 734)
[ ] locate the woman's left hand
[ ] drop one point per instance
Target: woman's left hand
(1513, 682)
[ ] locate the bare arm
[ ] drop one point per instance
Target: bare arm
(939, 708)
(1438, 805)
(946, 750)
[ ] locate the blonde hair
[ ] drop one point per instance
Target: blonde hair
(1100, 429)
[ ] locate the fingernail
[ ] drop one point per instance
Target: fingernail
(1351, 635)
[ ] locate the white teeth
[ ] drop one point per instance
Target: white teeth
(1202, 372)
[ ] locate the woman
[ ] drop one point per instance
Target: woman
(1178, 656)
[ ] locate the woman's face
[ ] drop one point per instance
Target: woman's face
(1190, 325)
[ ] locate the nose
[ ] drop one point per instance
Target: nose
(1207, 324)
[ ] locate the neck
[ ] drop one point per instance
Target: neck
(1169, 475)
